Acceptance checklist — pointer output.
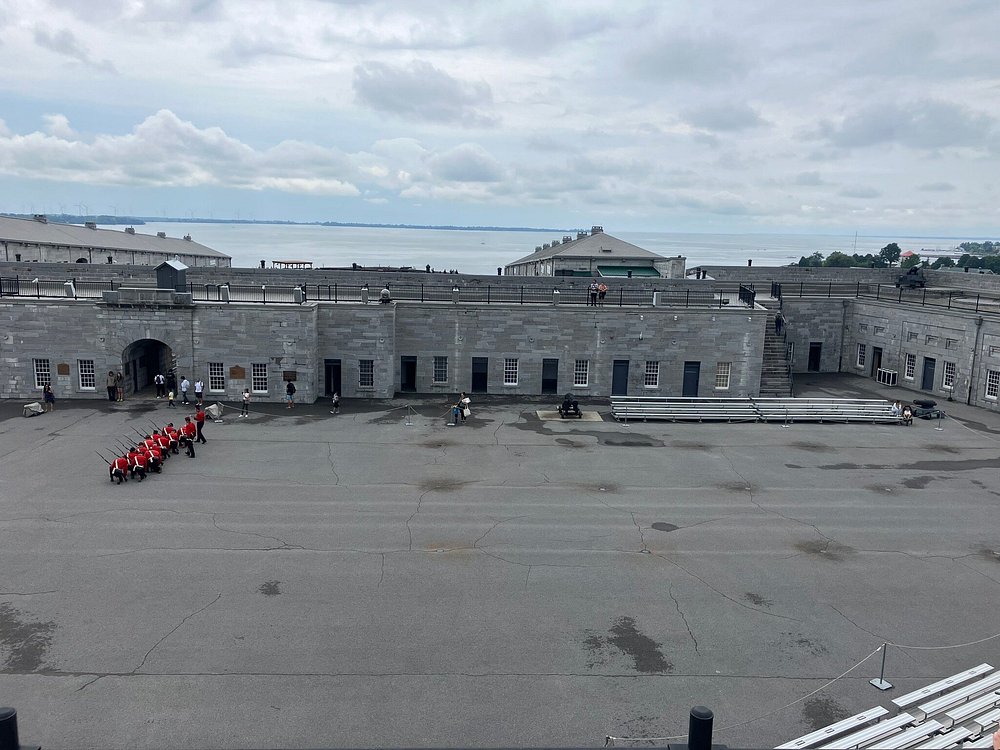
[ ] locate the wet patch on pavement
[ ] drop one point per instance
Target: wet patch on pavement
(812, 447)
(826, 550)
(758, 600)
(822, 712)
(270, 588)
(918, 483)
(23, 643)
(789, 642)
(442, 484)
(985, 552)
(626, 638)
(567, 443)
(663, 526)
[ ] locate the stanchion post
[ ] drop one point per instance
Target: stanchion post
(8, 731)
(700, 728)
(880, 682)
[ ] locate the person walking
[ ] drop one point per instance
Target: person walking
(112, 386)
(290, 394)
(336, 404)
(49, 397)
(161, 385)
(199, 419)
(456, 414)
(185, 386)
(245, 408)
(464, 401)
(189, 433)
(171, 381)
(199, 390)
(170, 399)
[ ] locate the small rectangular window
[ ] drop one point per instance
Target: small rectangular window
(995, 351)
(911, 336)
(863, 327)
(440, 369)
(652, 375)
(43, 374)
(948, 380)
(951, 343)
(992, 384)
(910, 366)
(510, 371)
(216, 377)
(931, 340)
(862, 355)
(581, 372)
(366, 373)
(879, 330)
(722, 372)
(258, 377)
(88, 377)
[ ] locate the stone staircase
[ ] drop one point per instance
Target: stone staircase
(775, 371)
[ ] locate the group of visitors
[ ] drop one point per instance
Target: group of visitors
(598, 291)
(460, 410)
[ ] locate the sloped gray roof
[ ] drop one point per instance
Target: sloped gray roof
(602, 246)
(37, 232)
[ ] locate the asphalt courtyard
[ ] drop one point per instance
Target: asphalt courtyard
(379, 579)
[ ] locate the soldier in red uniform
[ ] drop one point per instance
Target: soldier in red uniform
(199, 419)
(171, 432)
(189, 432)
(154, 459)
(137, 463)
(119, 469)
(163, 442)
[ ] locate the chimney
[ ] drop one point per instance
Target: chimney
(91, 225)
(545, 246)
(568, 238)
(555, 242)
(581, 235)
(162, 235)
(42, 218)
(187, 237)
(596, 230)
(129, 230)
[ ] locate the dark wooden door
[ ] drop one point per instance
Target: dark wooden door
(408, 374)
(619, 377)
(480, 374)
(692, 374)
(927, 381)
(550, 376)
(815, 355)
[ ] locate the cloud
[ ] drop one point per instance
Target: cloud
(165, 151)
(466, 163)
(723, 116)
(424, 92)
(65, 43)
(926, 124)
(936, 187)
(809, 179)
(707, 59)
(58, 125)
(859, 192)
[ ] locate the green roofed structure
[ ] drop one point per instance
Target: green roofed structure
(596, 254)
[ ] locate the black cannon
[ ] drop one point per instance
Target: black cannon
(570, 408)
(925, 408)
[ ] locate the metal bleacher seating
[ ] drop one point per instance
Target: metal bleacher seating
(696, 409)
(961, 711)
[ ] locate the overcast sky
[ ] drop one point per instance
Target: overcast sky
(770, 115)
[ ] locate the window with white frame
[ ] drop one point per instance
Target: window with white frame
(862, 354)
(948, 379)
(366, 373)
(440, 369)
(43, 373)
(88, 377)
(258, 377)
(581, 372)
(510, 371)
(909, 366)
(216, 377)
(992, 384)
(722, 372)
(652, 375)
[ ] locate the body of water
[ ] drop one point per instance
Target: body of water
(481, 252)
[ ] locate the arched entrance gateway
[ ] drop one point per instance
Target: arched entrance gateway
(142, 360)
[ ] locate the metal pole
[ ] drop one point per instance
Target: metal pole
(880, 683)
(700, 728)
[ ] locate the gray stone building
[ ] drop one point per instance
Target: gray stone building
(668, 338)
(40, 241)
(595, 254)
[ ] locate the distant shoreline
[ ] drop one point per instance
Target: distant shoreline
(103, 219)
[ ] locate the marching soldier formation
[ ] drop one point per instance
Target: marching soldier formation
(136, 459)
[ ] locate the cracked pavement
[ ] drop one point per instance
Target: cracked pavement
(440, 586)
